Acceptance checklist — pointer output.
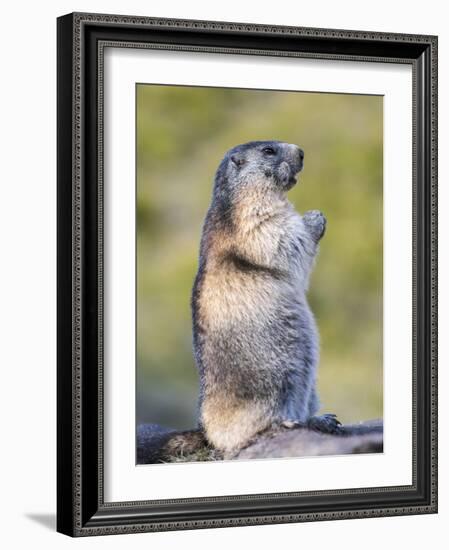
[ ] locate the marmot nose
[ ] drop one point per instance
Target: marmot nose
(297, 153)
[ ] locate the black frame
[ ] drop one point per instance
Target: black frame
(81, 509)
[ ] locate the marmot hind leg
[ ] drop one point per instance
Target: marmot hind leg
(325, 423)
(314, 403)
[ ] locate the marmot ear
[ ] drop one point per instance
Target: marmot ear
(237, 159)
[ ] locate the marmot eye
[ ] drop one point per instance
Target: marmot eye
(268, 151)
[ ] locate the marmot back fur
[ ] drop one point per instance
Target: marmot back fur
(255, 338)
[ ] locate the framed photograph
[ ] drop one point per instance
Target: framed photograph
(247, 274)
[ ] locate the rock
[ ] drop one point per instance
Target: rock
(157, 444)
(150, 439)
(304, 442)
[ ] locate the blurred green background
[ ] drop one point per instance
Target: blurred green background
(182, 134)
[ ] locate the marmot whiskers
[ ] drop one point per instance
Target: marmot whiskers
(255, 337)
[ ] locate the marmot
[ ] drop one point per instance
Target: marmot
(254, 335)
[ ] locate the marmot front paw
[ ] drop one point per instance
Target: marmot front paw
(316, 223)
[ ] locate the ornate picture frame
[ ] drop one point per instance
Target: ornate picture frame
(81, 507)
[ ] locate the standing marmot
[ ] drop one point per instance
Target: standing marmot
(255, 338)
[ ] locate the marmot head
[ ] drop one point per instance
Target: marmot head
(259, 166)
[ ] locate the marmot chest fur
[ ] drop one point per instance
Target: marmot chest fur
(255, 338)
